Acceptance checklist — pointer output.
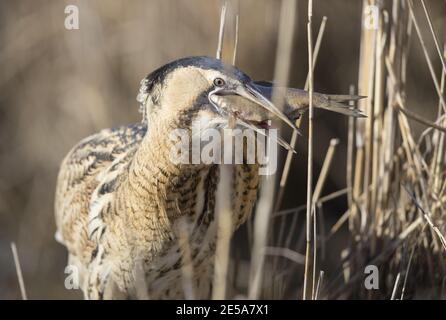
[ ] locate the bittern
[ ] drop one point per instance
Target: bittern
(120, 197)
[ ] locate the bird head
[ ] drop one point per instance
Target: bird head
(194, 87)
(197, 86)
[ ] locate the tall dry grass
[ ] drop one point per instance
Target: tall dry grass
(397, 216)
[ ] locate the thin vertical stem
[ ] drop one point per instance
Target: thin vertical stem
(18, 271)
(264, 206)
(234, 57)
(224, 232)
(363, 146)
(439, 143)
(221, 32)
(350, 150)
(316, 194)
(310, 150)
(406, 275)
(395, 287)
(319, 285)
(426, 55)
(434, 35)
(290, 154)
(289, 157)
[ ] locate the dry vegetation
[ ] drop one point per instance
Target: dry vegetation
(396, 213)
(376, 188)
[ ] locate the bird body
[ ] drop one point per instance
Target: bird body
(122, 203)
(117, 212)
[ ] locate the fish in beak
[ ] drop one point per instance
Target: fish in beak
(297, 101)
(252, 107)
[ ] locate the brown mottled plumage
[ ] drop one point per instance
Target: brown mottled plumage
(120, 197)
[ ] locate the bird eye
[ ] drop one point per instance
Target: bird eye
(219, 82)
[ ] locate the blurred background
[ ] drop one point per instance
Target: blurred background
(58, 86)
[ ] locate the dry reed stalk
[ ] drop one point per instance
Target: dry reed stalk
(284, 50)
(224, 232)
(350, 151)
(434, 35)
(406, 275)
(366, 89)
(363, 132)
(264, 206)
(316, 194)
(221, 30)
(388, 129)
(395, 287)
(335, 228)
(261, 224)
(383, 220)
(234, 56)
(322, 233)
(324, 170)
(290, 154)
(292, 255)
(319, 285)
(426, 54)
(440, 141)
(223, 209)
(419, 119)
(377, 119)
(321, 201)
(310, 151)
(18, 271)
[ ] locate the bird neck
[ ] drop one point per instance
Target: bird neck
(157, 191)
(162, 186)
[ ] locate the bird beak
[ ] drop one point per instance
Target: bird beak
(254, 94)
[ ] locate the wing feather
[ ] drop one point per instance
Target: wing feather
(87, 177)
